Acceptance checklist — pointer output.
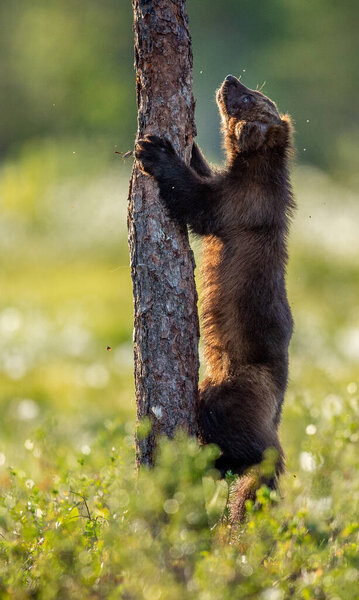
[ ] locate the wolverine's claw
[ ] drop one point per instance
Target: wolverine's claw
(153, 153)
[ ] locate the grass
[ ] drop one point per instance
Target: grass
(75, 520)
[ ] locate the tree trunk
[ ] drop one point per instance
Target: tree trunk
(165, 301)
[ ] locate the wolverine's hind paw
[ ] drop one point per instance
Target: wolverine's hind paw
(153, 154)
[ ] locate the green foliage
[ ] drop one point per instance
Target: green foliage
(67, 70)
(99, 530)
(76, 521)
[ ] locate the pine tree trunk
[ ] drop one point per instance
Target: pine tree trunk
(165, 302)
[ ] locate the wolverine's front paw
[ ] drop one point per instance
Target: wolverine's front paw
(154, 154)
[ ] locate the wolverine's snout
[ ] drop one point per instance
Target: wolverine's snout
(231, 79)
(230, 94)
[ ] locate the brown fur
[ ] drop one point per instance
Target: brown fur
(244, 213)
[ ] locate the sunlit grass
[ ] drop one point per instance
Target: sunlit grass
(68, 415)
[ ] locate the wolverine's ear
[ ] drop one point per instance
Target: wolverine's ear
(280, 134)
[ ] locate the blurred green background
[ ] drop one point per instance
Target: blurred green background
(67, 100)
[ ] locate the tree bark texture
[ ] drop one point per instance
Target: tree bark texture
(166, 328)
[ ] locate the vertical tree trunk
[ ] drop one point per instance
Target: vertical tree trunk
(165, 301)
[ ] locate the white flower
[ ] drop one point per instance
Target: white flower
(307, 462)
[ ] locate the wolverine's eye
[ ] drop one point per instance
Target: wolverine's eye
(245, 99)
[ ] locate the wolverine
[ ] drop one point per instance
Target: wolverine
(243, 213)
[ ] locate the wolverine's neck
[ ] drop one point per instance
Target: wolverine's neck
(259, 164)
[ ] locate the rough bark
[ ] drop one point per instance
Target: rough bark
(165, 302)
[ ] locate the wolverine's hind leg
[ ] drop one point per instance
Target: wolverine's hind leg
(245, 488)
(238, 416)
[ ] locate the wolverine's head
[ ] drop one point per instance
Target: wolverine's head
(237, 101)
(250, 120)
